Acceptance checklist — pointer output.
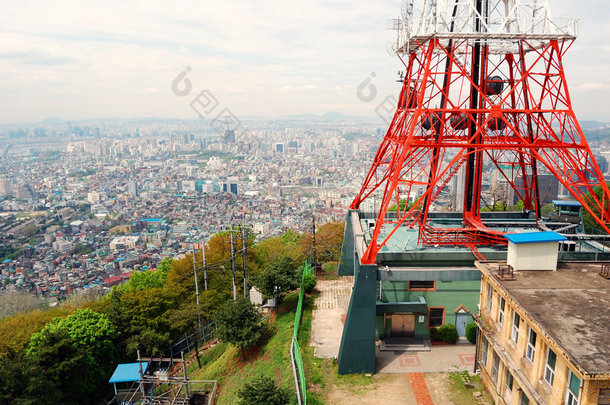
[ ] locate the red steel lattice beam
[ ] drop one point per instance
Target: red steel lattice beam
(459, 106)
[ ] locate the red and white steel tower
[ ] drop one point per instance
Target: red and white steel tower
(484, 84)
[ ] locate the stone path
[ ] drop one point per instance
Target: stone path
(420, 389)
(439, 358)
(327, 323)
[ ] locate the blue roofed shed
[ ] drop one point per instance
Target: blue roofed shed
(534, 237)
(127, 373)
(533, 250)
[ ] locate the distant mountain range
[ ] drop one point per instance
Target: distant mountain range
(332, 116)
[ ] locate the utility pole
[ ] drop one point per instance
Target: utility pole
(205, 269)
(196, 287)
(313, 236)
(244, 252)
(233, 265)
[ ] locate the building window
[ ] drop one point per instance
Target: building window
(495, 368)
(549, 368)
(501, 311)
(436, 317)
(484, 347)
(508, 385)
(422, 285)
(573, 389)
(524, 399)
(531, 345)
(509, 380)
(515, 330)
(490, 296)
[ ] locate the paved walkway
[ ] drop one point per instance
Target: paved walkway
(439, 358)
(420, 389)
(327, 323)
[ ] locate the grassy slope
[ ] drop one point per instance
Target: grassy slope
(270, 358)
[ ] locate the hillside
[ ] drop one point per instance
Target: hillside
(269, 357)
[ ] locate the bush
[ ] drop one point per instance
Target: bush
(262, 391)
(448, 333)
(309, 283)
(435, 334)
(471, 332)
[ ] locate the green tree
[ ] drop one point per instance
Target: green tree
(262, 391)
(12, 375)
(187, 318)
(277, 277)
(287, 244)
(91, 331)
(59, 371)
(16, 330)
(329, 240)
(81, 249)
(238, 323)
(30, 230)
(142, 318)
(589, 222)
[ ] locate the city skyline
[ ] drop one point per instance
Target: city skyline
(87, 60)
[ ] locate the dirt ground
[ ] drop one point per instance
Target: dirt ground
(438, 386)
(395, 389)
(389, 389)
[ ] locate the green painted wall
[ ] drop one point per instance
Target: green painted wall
(448, 294)
(348, 257)
(357, 350)
(421, 328)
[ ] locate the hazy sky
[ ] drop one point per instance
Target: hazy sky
(85, 59)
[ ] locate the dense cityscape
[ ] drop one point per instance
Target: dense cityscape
(303, 203)
(100, 206)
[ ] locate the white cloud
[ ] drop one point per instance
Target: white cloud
(81, 59)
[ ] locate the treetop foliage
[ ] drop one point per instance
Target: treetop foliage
(262, 391)
(238, 323)
(67, 353)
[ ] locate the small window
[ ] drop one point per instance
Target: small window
(436, 317)
(484, 347)
(421, 285)
(549, 368)
(573, 390)
(515, 329)
(509, 380)
(495, 368)
(530, 351)
(501, 311)
(524, 399)
(508, 386)
(490, 296)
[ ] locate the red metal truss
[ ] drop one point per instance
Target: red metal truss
(460, 107)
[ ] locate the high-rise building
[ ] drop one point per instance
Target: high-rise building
(230, 186)
(25, 192)
(5, 186)
(133, 188)
(229, 136)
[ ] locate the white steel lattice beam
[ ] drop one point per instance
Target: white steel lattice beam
(500, 23)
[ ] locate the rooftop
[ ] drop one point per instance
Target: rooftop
(534, 237)
(127, 372)
(570, 305)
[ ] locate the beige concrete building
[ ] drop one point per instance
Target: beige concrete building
(544, 336)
